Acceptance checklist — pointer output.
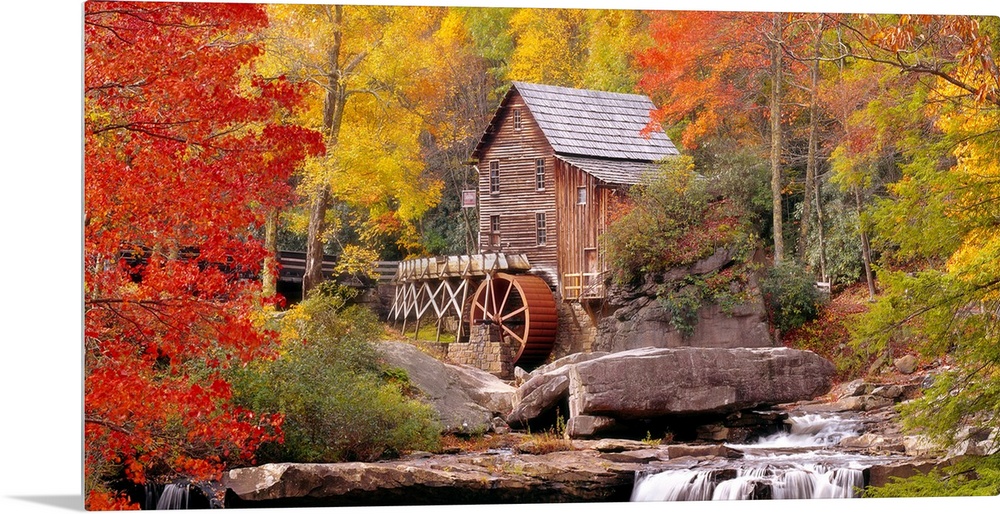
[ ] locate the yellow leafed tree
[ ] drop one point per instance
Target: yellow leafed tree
(373, 85)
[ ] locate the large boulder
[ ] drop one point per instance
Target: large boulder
(536, 396)
(466, 399)
(654, 382)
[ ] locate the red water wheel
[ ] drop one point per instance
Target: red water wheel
(521, 309)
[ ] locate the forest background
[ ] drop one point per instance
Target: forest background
(46, 444)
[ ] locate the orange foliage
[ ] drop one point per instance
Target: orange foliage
(102, 501)
(699, 69)
(829, 334)
(183, 156)
(710, 72)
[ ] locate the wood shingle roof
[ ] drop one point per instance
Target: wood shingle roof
(600, 132)
(591, 123)
(612, 171)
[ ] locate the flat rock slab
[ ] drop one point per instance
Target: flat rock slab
(570, 476)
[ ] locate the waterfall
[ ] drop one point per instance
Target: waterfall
(174, 496)
(807, 481)
(814, 481)
(808, 430)
(684, 485)
(768, 472)
(742, 487)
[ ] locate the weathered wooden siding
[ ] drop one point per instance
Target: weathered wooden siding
(519, 200)
(581, 259)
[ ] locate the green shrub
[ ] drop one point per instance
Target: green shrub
(338, 403)
(682, 305)
(672, 219)
(790, 296)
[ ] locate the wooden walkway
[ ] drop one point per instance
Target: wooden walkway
(293, 267)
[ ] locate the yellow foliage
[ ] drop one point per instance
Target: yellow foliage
(549, 46)
(357, 260)
(976, 194)
(388, 70)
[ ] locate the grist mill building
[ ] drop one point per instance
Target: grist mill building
(553, 164)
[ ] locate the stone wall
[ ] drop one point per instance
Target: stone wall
(483, 351)
(577, 329)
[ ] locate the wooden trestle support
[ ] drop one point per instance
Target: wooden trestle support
(516, 308)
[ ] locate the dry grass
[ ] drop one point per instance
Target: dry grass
(451, 443)
(546, 442)
(533, 444)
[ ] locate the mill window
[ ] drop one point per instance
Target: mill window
(541, 235)
(494, 177)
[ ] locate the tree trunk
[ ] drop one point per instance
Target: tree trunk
(812, 157)
(333, 115)
(269, 275)
(314, 243)
(775, 43)
(820, 232)
(866, 253)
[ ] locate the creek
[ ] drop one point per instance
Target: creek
(799, 463)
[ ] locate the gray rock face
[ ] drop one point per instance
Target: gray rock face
(540, 393)
(647, 324)
(466, 399)
(655, 382)
(906, 364)
(640, 321)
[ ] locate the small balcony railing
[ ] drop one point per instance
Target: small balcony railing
(582, 286)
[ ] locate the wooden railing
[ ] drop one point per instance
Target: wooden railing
(293, 266)
(582, 286)
(386, 271)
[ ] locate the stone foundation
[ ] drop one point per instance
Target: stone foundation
(577, 329)
(485, 350)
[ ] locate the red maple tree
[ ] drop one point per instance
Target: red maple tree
(185, 152)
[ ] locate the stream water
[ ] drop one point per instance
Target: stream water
(796, 464)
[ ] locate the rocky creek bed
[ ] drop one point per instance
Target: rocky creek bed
(872, 448)
(604, 470)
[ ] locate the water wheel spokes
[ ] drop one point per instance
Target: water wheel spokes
(521, 308)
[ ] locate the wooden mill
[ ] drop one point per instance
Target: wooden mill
(553, 164)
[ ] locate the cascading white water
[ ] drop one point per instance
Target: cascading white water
(174, 497)
(787, 474)
(814, 481)
(741, 487)
(684, 485)
(808, 430)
